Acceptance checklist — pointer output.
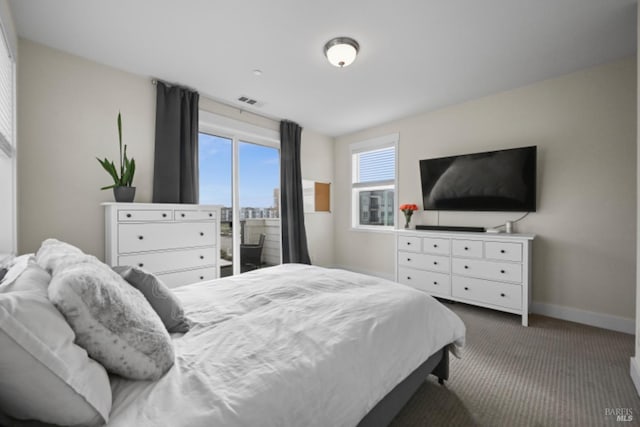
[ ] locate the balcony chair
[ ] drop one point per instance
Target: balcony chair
(251, 254)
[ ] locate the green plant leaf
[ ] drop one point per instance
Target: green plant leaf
(120, 142)
(132, 167)
(110, 168)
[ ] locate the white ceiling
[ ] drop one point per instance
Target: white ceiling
(416, 55)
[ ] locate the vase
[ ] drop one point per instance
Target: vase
(407, 220)
(124, 194)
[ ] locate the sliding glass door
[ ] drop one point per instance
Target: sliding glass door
(259, 171)
(216, 188)
(243, 177)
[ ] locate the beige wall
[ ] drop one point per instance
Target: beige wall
(67, 109)
(317, 165)
(584, 125)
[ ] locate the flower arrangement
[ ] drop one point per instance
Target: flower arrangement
(408, 212)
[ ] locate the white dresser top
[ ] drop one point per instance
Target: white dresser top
(136, 205)
(466, 234)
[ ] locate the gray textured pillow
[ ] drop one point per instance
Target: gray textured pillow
(112, 321)
(159, 296)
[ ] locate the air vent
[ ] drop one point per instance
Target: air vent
(250, 101)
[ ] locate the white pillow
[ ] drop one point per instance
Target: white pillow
(55, 255)
(112, 321)
(15, 268)
(44, 376)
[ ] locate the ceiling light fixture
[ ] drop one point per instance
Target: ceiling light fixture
(341, 51)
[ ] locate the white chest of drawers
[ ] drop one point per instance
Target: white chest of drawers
(177, 242)
(488, 270)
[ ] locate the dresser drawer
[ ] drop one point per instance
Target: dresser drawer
(157, 262)
(424, 261)
(503, 271)
(466, 248)
(181, 278)
(503, 251)
(158, 236)
(145, 215)
(485, 291)
(189, 215)
(408, 243)
(435, 246)
(434, 283)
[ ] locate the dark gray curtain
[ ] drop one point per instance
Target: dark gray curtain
(175, 171)
(294, 236)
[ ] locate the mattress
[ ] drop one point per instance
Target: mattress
(289, 345)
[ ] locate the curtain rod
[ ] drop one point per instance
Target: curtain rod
(211, 98)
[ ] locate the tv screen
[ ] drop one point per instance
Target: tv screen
(503, 180)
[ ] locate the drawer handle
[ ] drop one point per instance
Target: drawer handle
(201, 256)
(466, 266)
(408, 277)
(435, 283)
(201, 233)
(140, 237)
(164, 215)
(466, 248)
(466, 288)
(502, 271)
(210, 215)
(140, 265)
(503, 295)
(201, 277)
(408, 259)
(408, 243)
(128, 215)
(435, 262)
(182, 215)
(435, 246)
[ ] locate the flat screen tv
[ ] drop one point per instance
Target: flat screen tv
(503, 180)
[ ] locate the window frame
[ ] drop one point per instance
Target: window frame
(373, 144)
(8, 143)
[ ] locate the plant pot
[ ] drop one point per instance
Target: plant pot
(124, 194)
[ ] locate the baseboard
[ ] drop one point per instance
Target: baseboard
(635, 373)
(605, 321)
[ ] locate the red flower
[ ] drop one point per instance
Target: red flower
(407, 207)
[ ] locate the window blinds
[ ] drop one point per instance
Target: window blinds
(377, 165)
(6, 98)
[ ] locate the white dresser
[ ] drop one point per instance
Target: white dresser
(484, 269)
(177, 242)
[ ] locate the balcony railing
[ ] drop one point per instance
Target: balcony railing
(250, 232)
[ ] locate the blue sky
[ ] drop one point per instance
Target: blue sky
(259, 172)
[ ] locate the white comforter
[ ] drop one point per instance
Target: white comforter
(292, 345)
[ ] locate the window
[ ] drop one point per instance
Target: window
(8, 192)
(373, 183)
(7, 83)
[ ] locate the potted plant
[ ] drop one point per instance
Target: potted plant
(122, 178)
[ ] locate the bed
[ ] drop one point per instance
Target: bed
(294, 345)
(291, 345)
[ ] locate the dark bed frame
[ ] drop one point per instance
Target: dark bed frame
(385, 411)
